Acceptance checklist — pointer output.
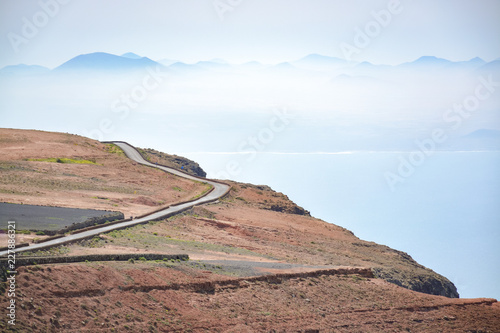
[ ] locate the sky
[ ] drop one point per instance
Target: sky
(50, 32)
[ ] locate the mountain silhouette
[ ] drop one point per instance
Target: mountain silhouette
(131, 55)
(23, 69)
(101, 61)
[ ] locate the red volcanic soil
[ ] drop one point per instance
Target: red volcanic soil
(114, 182)
(277, 269)
(150, 297)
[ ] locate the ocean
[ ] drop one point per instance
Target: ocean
(446, 214)
(330, 143)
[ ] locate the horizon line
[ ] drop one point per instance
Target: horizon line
(263, 63)
(350, 152)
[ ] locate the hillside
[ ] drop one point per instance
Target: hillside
(96, 175)
(259, 262)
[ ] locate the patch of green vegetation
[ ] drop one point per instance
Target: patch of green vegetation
(176, 188)
(62, 160)
(208, 187)
(218, 269)
(8, 166)
(114, 149)
(51, 252)
(144, 154)
(357, 278)
(94, 242)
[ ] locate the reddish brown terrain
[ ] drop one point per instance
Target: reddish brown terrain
(152, 297)
(113, 183)
(259, 263)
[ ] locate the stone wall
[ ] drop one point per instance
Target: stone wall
(113, 216)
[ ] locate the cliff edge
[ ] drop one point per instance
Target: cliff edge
(257, 261)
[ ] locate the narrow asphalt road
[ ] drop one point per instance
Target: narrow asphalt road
(218, 191)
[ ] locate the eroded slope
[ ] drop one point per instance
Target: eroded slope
(173, 297)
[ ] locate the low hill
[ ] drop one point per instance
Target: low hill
(59, 169)
(258, 262)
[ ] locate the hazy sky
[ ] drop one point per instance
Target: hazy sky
(241, 30)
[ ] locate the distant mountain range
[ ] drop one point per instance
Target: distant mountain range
(108, 62)
(493, 66)
(427, 61)
(484, 133)
(131, 55)
(129, 61)
(318, 62)
(23, 69)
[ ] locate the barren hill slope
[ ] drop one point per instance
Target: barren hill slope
(259, 262)
(59, 169)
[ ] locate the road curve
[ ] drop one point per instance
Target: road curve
(219, 190)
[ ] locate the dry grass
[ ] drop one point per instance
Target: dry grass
(58, 169)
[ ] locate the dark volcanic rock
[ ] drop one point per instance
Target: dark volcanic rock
(290, 209)
(173, 161)
(427, 282)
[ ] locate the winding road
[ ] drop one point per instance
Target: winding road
(219, 190)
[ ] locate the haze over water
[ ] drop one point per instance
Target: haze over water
(445, 216)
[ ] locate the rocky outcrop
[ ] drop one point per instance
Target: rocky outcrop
(402, 270)
(275, 201)
(289, 209)
(422, 280)
(173, 161)
(425, 282)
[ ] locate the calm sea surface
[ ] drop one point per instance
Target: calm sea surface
(446, 215)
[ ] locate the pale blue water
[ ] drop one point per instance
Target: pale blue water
(446, 215)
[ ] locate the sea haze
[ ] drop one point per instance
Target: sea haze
(446, 215)
(405, 155)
